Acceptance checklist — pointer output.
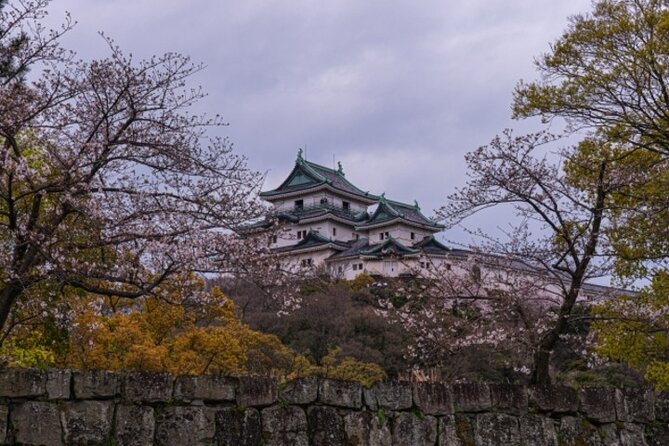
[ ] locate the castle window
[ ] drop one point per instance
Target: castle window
(301, 234)
(360, 266)
(355, 267)
(381, 236)
(306, 263)
(346, 205)
(299, 204)
(334, 232)
(324, 200)
(413, 236)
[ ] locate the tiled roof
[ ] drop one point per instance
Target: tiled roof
(295, 215)
(362, 247)
(430, 245)
(313, 239)
(389, 210)
(306, 175)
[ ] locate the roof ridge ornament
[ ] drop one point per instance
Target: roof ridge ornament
(415, 205)
(299, 155)
(340, 169)
(383, 199)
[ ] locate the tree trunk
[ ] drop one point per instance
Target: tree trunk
(8, 295)
(540, 372)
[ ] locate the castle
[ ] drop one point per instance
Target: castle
(328, 223)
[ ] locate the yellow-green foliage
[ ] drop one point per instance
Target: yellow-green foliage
(633, 329)
(361, 282)
(334, 367)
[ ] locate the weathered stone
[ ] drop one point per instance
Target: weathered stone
(433, 398)
(18, 383)
(148, 387)
(367, 428)
(325, 426)
(471, 397)
(257, 391)
(496, 429)
(578, 432)
(465, 427)
(284, 425)
(205, 388)
(35, 422)
(632, 435)
(96, 384)
(536, 430)
(300, 391)
(58, 384)
(180, 425)
(134, 425)
(390, 395)
(662, 406)
(413, 429)
(4, 419)
(86, 422)
(598, 404)
(340, 393)
(509, 398)
(657, 434)
(448, 435)
(609, 434)
(635, 405)
(559, 399)
(236, 427)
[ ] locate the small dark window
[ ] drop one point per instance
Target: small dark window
(448, 266)
(306, 262)
(324, 200)
(301, 234)
(360, 266)
(476, 273)
(334, 232)
(355, 267)
(381, 236)
(413, 236)
(346, 205)
(357, 236)
(299, 204)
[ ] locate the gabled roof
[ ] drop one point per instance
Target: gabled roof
(389, 211)
(430, 245)
(322, 211)
(390, 246)
(314, 239)
(307, 175)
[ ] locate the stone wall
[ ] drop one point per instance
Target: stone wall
(96, 407)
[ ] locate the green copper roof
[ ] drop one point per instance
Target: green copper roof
(306, 174)
(389, 210)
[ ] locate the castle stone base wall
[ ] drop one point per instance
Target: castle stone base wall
(96, 407)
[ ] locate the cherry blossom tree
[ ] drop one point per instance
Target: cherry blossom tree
(564, 208)
(108, 183)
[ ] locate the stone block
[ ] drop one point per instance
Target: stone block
(598, 404)
(22, 383)
(135, 426)
(257, 391)
(632, 434)
(536, 430)
(182, 425)
(58, 384)
(389, 395)
(433, 398)
(367, 428)
(325, 426)
(657, 434)
(608, 434)
(509, 398)
(4, 419)
(86, 422)
(471, 397)
(409, 429)
(662, 406)
(35, 422)
(300, 391)
(205, 388)
(236, 427)
(148, 387)
(284, 425)
(496, 429)
(577, 431)
(96, 384)
(635, 405)
(448, 435)
(559, 399)
(465, 428)
(340, 393)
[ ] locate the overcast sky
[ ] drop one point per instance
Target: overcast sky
(398, 91)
